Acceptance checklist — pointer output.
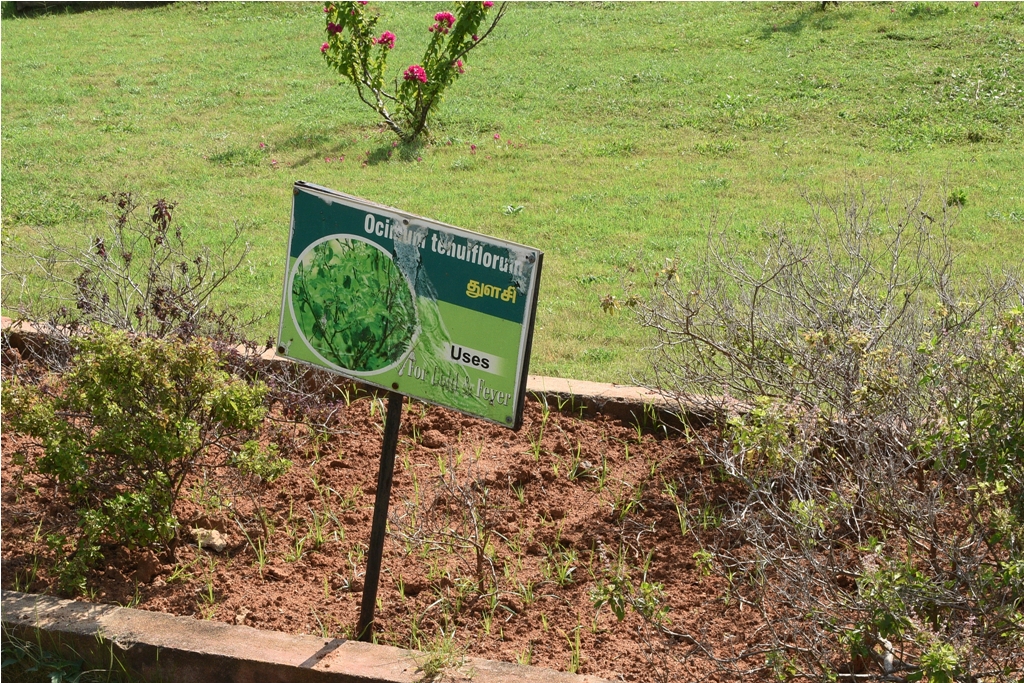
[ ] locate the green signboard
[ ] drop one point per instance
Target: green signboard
(408, 304)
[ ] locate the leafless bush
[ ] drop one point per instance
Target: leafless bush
(140, 274)
(458, 519)
(870, 400)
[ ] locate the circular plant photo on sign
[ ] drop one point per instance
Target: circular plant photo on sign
(353, 305)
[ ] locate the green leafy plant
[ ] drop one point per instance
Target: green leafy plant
(957, 198)
(939, 664)
(260, 461)
(353, 304)
(560, 565)
(124, 427)
(618, 590)
(355, 51)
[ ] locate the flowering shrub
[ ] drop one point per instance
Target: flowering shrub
(355, 51)
(415, 73)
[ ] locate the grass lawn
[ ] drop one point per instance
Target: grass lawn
(621, 129)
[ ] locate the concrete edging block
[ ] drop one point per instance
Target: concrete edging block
(162, 647)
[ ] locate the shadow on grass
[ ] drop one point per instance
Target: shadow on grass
(11, 10)
(404, 151)
(334, 152)
(814, 16)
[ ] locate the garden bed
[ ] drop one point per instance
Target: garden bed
(500, 544)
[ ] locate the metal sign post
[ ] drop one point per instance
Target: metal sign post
(391, 300)
(364, 631)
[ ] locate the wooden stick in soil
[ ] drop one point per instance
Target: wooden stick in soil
(364, 630)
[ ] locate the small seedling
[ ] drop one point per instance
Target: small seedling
(707, 518)
(574, 650)
(209, 599)
(520, 492)
(602, 472)
(560, 566)
(628, 502)
(348, 502)
(580, 468)
(323, 624)
(535, 445)
(135, 599)
(526, 593)
(317, 529)
(317, 440)
(442, 654)
(672, 491)
(181, 572)
(704, 560)
(295, 554)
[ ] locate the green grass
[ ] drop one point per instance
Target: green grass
(623, 129)
(26, 661)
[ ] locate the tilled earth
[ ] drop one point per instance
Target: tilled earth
(499, 542)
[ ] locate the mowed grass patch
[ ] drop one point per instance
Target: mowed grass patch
(623, 131)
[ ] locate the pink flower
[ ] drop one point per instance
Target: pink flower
(488, 3)
(333, 28)
(415, 73)
(262, 146)
(273, 162)
(475, 39)
(497, 137)
(472, 149)
(445, 20)
(324, 48)
(458, 65)
(976, 3)
(387, 39)
(364, 2)
(327, 159)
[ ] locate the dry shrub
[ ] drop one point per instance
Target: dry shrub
(869, 395)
